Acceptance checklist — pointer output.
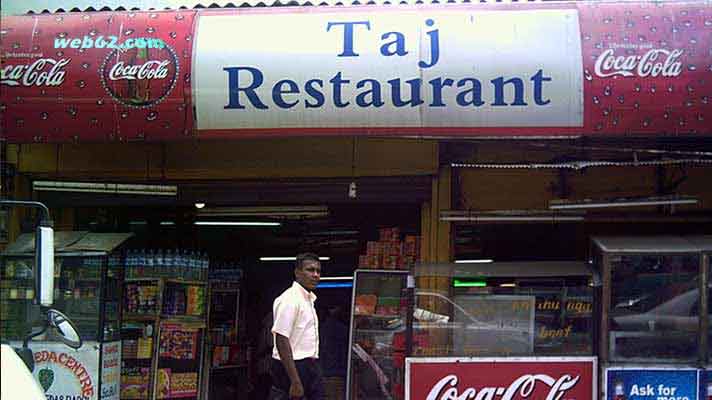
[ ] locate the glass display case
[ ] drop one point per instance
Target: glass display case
(226, 353)
(377, 335)
(541, 310)
(656, 299)
(88, 275)
(88, 283)
(503, 309)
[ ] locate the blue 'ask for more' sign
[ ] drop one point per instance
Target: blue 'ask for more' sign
(652, 384)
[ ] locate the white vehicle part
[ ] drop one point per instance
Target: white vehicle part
(16, 381)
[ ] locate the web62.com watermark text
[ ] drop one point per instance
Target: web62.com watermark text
(108, 42)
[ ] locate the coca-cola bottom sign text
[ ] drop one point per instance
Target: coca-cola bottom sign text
(535, 378)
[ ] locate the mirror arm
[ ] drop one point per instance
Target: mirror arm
(45, 221)
(26, 341)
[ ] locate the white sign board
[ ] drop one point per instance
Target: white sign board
(110, 370)
(65, 373)
(429, 68)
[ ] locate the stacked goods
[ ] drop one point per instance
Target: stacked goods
(184, 384)
(365, 304)
(134, 382)
(390, 252)
(141, 298)
(196, 300)
(164, 383)
(179, 344)
(145, 347)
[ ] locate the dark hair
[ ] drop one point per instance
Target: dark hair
(301, 258)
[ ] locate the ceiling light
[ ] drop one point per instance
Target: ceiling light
(337, 278)
(633, 202)
(235, 223)
(167, 223)
(276, 212)
(289, 258)
(475, 261)
(508, 216)
(334, 285)
(199, 205)
(103, 187)
(508, 285)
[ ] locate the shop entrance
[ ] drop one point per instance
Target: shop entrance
(339, 237)
(341, 234)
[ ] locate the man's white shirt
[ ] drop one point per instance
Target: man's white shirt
(295, 318)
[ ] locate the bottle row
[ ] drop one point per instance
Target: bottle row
(178, 263)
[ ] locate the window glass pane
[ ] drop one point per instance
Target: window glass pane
(653, 307)
(507, 317)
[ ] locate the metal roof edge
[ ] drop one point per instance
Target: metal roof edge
(48, 6)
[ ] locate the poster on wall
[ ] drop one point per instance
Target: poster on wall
(440, 378)
(110, 370)
(65, 373)
(652, 384)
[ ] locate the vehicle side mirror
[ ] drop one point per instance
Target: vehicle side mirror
(68, 333)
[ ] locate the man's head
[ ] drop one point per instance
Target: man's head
(307, 271)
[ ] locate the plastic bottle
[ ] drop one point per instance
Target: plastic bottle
(168, 260)
(619, 391)
(140, 263)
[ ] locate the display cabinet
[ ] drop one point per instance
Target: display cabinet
(495, 310)
(226, 352)
(162, 336)
(88, 283)
(656, 299)
(377, 335)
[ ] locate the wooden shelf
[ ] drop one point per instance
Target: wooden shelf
(234, 366)
(169, 280)
(139, 317)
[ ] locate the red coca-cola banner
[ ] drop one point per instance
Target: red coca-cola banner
(567, 378)
(555, 69)
(121, 76)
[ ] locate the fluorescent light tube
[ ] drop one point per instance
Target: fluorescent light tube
(277, 211)
(337, 278)
(167, 223)
(478, 218)
(475, 261)
(235, 223)
(334, 285)
(642, 202)
(289, 258)
(104, 187)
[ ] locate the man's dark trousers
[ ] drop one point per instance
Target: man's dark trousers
(310, 374)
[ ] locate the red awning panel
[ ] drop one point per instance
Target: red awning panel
(64, 77)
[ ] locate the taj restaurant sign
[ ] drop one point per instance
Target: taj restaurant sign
(533, 378)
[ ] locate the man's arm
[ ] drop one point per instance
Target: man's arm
(285, 355)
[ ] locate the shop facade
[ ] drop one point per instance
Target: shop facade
(294, 105)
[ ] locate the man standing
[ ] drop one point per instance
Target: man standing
(295, 366)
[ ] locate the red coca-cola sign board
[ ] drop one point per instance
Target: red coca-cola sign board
(122, 76)
(451, 378)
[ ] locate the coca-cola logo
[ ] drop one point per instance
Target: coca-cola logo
(41, 72)
(140, 77)
(521, 388)
(655, 62)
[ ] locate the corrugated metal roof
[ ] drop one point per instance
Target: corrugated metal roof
(15, 7)
(70, 242)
